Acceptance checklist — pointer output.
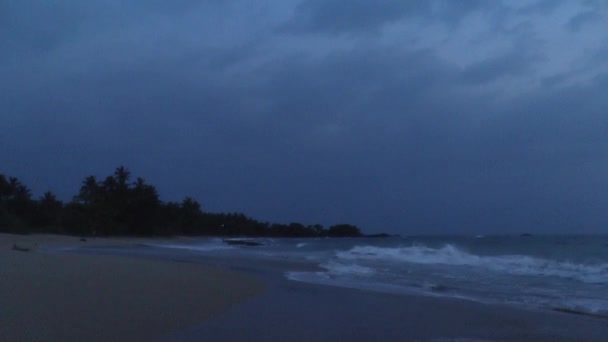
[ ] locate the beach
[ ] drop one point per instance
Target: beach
(90, 293)
(63, 297)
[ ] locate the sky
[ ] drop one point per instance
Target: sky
(421, 116)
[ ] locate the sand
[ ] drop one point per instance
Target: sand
(63, 297)
(87, 297)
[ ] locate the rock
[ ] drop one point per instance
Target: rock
(381, 235)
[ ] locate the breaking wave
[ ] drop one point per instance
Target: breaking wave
(451, 255)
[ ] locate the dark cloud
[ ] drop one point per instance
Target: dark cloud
(338, 16)
(364, 16)
(581, 19)
(538, 6)
(248, 116)
(513, 64)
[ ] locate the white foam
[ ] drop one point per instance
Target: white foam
(338, 268)
(207, 246)
(511, 264)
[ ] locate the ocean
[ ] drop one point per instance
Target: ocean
(565, 273)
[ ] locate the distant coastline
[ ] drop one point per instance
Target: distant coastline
(118, 206)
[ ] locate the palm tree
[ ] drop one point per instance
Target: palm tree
(49, 210)
(122, 175)
(88, 191)
(190, 214)
(19, 191)
(49, 200)
(5, 188)
(143, 192)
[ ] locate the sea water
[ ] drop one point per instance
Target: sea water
(550, 272)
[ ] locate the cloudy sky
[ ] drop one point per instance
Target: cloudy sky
(419, 116)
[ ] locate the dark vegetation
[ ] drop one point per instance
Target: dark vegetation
(119, 206)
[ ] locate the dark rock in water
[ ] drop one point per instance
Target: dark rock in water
(83, 239)
(525, 235)
(19, 248)
(381, 235)
(242, 242)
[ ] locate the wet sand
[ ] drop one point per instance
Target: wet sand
(296, 311)
(305, 312)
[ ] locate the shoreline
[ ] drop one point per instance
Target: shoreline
(297, 311)
(302, 311)
(291, 310)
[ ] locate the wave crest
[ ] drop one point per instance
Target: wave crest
(451, 255)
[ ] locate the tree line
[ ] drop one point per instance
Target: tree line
(118, 206)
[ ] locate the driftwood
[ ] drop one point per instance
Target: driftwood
(20, 249)
(242, 242)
